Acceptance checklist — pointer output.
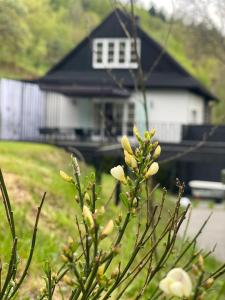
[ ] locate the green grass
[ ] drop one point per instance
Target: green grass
(32, 169)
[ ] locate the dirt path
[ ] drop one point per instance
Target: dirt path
(214, 232)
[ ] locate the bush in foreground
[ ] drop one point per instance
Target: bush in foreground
(93, 266)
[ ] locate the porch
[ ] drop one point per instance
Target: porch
(110, 132)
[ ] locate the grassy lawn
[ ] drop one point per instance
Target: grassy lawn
(29, 171)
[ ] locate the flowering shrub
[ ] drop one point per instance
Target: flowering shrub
(92, 267)
(92, 262)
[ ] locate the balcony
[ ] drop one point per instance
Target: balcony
(165, 132)
(171, 133)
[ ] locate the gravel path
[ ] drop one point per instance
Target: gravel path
(214, 231)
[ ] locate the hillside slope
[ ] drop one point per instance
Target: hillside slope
(29, 171)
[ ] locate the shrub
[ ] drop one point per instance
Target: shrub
(92, 262)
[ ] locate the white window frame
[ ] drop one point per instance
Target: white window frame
(115, 64)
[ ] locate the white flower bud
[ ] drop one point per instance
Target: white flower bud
(118, 173)
(75, 165)
(130, 160)
(107, 229)
(126, 144)
(152, 170)
(176, 283)
(157, 152)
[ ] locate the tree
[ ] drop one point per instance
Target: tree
(14, 32)
(205, 24)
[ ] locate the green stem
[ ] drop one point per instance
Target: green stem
(33, 242)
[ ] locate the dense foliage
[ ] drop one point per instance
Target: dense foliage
(36, 34)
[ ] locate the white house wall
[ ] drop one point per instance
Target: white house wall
(68, 112)
(196, 103)
(167, 111)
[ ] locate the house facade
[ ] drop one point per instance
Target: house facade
(100, 80)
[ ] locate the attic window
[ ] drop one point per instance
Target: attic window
(99, 53)
(115, 53)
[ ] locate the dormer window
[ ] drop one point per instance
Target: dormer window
(115, 53)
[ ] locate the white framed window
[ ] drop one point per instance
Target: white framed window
(115, 53)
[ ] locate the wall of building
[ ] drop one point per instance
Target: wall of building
(68, 112)
(22, 110)
(168, 110)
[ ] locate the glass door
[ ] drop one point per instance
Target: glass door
(109, 119)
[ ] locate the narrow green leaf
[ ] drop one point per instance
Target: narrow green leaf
(124, 200)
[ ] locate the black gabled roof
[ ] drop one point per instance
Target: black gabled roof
(74, 74)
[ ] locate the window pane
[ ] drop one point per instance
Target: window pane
(122, 47)
(133, 55)
(99, 52)
(111, 52)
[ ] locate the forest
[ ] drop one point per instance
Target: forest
(34, 35)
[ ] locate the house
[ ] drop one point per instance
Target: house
(100, 77)
(94, 95)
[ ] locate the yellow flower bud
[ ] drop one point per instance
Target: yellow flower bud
(152, 170)
(70, 241)
(118, 173)
(101, 270)
(65, 176)
(130, 160)
(116, 249)
(66, 249)
(152, 132)
(195, 270)
(201, 262)
(135, 202)
(176, 283)
(54, 276)
(136, 133)
(87, 198)
(157, 152)
(64, 258)
(88, 216)
(115, 273)
(126, 144)
(107, 229)
(209, 282)
(67, 280)
(100, 211)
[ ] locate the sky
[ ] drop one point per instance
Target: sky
(167, 5)
(201, 9)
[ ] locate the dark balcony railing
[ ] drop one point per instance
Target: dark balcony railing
(199, 132)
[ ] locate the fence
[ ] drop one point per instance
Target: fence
(22, 107)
